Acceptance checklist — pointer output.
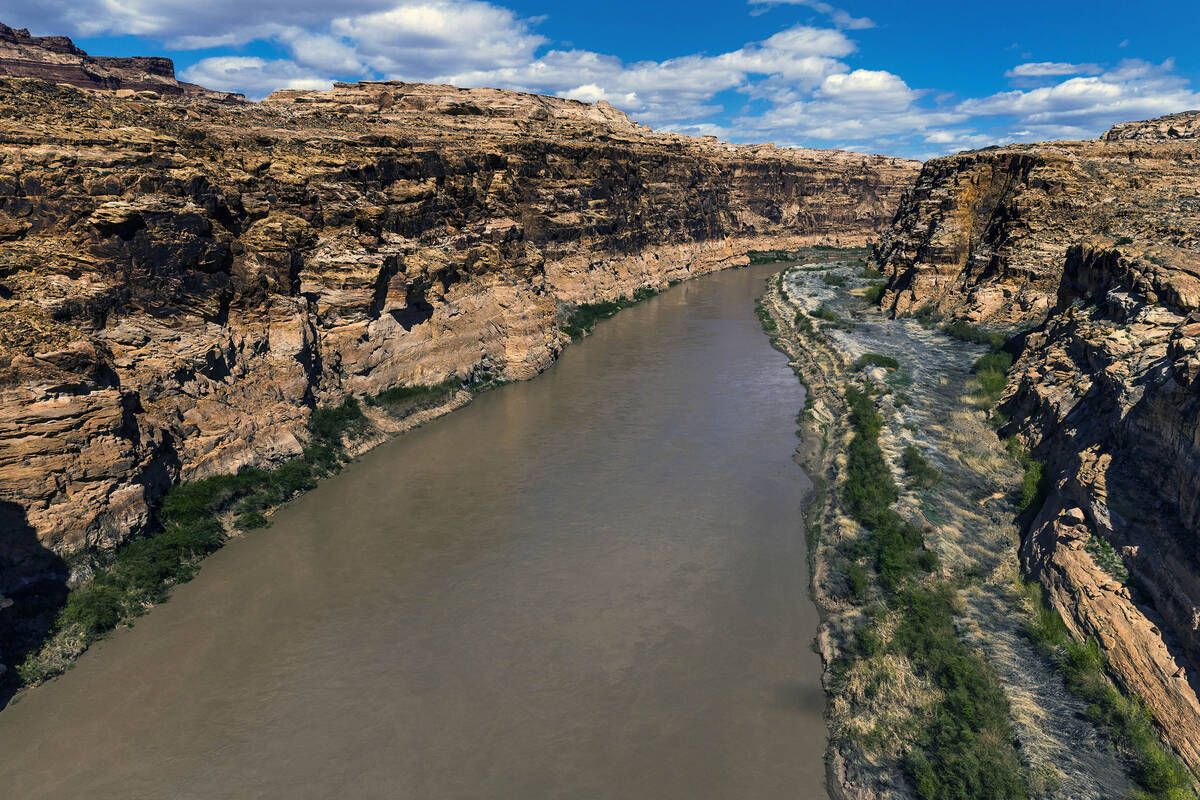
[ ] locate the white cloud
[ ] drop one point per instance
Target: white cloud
(1085, 106)
(675, 92)
(1042, 69)
(839, 17)
(797, 86)
(256, 77)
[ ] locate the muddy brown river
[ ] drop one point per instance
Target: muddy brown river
(589, 585)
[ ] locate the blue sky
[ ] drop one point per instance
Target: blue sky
(913, 79)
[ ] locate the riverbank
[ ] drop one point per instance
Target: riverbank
(588, 585)
(112, 588)
(941, 677)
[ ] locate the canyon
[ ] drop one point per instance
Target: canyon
(186, 277)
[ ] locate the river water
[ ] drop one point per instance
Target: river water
(590, 585)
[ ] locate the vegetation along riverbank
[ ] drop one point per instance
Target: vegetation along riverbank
(947, 674)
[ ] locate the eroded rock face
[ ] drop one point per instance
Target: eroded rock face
(182, 281)
(58, 60)
(983, 234)
(1097, 241)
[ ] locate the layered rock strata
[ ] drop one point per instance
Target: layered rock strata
(58, 60)
(983, 235)
(1099, 242)
(182, 281)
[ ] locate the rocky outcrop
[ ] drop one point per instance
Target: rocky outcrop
(58, 60)
(983, 234)
(1098, 242)
(182, 281)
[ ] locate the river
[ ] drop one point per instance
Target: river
(589, 585)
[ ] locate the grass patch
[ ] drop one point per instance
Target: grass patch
(768, 256)
(871, 274)
(140, 572)
(1129, 724)
(966, 332)
(991, 371)
(874, 360)
(1034, 483)
(874, 293)
(826, 313)
(802, 323)
(964, 748)
(582, 318)
(833, 279)
(764, 316)
(921, 474)
(406, 397)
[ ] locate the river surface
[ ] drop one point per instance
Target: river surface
(590, 585)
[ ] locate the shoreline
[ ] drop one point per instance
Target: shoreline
(370, 425)
(1060, 748)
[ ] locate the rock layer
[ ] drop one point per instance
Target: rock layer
(58, 60)
(983, 235)
(182, 281)
(1098, 242)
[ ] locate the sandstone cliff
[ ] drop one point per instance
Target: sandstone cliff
(983, 234)
(58, 60)
(182, 281)
(1098, 242)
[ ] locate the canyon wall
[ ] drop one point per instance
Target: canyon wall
(183, 280)
(1096, 245)
(58, 60)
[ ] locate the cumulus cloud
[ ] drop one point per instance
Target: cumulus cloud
(798, 86)
(675, 92)
(1085, 106)
(256, 77)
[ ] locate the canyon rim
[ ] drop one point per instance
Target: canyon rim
(197, 290)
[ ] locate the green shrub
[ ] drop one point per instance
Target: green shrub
(329, 424)
(583, 317)
(927, 315)
(991, 371)
(965, 749)
(871, 274)
(141, 571)
(874, 293)
(1033, 485)
(833, 279)
(1127, 721)
(921, 473)
(96, 608)
(764, 316)
(1124, 240)
(965, 331)
(964, 746)
(251, 520)
(874, 360)
(404, 396)
(825, 313)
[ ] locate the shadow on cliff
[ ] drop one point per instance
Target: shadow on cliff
(1144, 488)
(33, 587)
